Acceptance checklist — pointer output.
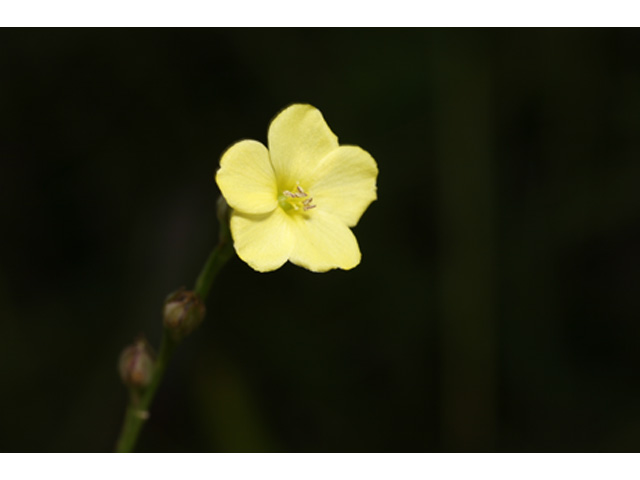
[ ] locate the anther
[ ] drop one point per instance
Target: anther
(294, 195)
(306, 205)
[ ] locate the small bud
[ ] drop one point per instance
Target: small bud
(136, 365)
(223, 211)
(183, 312)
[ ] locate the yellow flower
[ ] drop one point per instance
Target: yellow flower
(297, 200)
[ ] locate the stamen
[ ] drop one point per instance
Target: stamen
(297, 196)
(306, 205)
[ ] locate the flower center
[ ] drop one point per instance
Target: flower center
(296, 200)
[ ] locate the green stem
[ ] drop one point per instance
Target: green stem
(218, 257)
(139, 403)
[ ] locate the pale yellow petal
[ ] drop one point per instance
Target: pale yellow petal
(344, 183)
(246, 178)
(324, 242)
(299, 139)
(262, 241)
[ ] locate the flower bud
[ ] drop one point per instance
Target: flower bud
(223, 211)
(136, 365)
(183, 312)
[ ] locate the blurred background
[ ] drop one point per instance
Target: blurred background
(497, 305)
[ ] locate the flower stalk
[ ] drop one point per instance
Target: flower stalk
(219, 256)
(138, 409)
(140, 399)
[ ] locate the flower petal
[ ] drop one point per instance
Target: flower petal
(246, 178)
(344, 183)
(263, 241)
(324, 242)
(299, 139)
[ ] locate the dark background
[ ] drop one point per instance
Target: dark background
(497, 305)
